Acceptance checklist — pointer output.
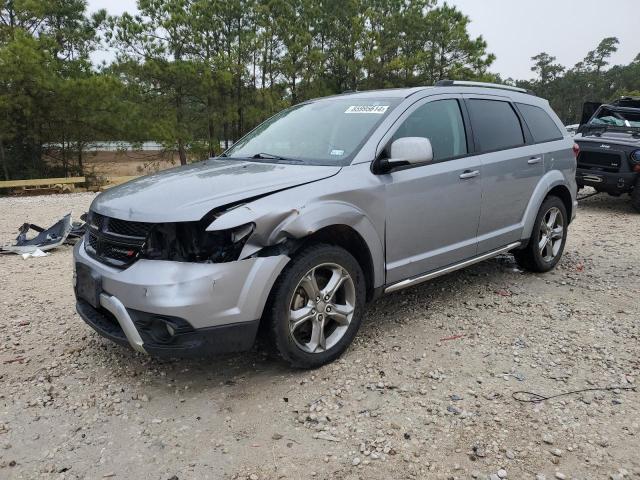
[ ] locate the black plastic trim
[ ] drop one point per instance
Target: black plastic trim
(201, 342)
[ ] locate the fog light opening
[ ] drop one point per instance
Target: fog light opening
(161, 331)
(170, 329)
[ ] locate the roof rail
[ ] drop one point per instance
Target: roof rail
(498, 86)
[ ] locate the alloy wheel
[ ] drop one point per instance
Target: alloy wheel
(321, 308)
(551, 234)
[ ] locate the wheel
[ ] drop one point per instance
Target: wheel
(635, 195)
(548, 238)
(316, 306)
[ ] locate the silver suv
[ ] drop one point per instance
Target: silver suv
(319, 210)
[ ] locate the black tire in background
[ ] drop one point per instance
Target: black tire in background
(635, 196)
(288, 290)
(531, 257)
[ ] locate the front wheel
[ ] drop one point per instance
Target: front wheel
(316, 306)
(547, 239)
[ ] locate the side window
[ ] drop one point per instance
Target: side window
(495, 125)
(542, 127)
(441, 122)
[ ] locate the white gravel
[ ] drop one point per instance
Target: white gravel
(425, 391)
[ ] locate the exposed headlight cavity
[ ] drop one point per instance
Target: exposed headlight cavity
(190, 242)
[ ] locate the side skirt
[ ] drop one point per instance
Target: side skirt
(409, 282)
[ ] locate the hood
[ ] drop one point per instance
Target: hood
(610, 136)
(189, 192)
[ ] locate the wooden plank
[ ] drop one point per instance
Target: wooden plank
(41, 182)
(119, 180)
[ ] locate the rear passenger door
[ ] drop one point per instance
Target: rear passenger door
(511, 168)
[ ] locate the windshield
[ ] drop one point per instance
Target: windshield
(616, 118)
(323, 132)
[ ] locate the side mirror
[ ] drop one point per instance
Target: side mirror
(409, 151)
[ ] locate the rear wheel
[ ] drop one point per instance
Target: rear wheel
(316, 306)
(548, 238)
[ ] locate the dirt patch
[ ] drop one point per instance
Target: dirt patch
(424, 392)
(129, 163)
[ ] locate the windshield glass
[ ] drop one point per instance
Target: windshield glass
(616, 118)
(323, 132)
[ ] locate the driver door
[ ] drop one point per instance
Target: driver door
(433, 209)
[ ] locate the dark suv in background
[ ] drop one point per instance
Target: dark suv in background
(609, 140)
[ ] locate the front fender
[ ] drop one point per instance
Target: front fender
(275, 225)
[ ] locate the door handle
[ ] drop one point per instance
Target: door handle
(534, 160)
(469, 174)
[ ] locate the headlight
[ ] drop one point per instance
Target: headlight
(190, 242)
(635, 157)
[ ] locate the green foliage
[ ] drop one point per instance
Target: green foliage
(193, 74)
(588, 80)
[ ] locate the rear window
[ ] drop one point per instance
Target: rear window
(542, 127)
(616, 117)
(495, 125)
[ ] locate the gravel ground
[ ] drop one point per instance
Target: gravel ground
(425, 391)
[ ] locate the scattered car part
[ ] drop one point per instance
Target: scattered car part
(46, 239)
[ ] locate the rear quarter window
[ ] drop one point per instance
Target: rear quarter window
(541, 126)
(496, 125)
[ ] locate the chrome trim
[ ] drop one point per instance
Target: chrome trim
(119, 311)
(592, 178)
(469, 174)
(451, 268)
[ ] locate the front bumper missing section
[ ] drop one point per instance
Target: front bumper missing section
(202, 342)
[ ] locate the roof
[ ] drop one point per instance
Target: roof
(382, 93)
(443, 86)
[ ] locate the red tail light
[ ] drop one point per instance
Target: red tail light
(576, 150)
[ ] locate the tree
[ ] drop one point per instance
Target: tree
(451, 52)
(44, 48)
(544, 67)
(597, 59)
(153, 51)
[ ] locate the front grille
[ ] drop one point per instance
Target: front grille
(123, 227)
(114, 241)
(92, 240)
(605, 162)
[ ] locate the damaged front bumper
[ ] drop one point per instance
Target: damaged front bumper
(168, 308)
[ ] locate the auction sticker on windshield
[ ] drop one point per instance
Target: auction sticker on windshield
(377, 109)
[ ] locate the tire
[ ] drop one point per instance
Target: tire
(635, 196)
(537, 259)
(299, 342)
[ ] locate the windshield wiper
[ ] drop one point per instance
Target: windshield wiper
(271, 156)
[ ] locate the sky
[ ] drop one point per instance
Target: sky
(516, 30)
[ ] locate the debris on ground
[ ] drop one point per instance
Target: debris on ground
(36, 253)
(63, 231)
